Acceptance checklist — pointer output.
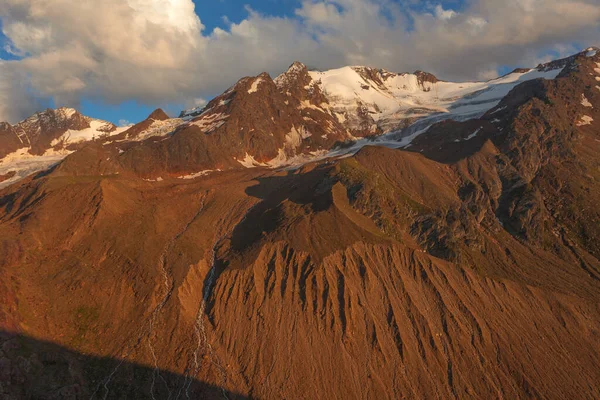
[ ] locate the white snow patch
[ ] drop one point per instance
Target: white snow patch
(159, 179)
(297, 160)
(472, 135)
(254, 87)
(393, 98)
(68, 112)
(585, 102)
(24, 164)
(591, 52)
(157, 128)
(406, 141)
(295, 137)
(192, 113)
(585, 120)
(287, 154)
(250, 162)
(307, 104)
(209, 123)
(291, 162)
(198, 174)
(97, 129)
(160, 128)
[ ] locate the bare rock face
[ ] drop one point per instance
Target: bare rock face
(9, 141)
(256, 121)
(424, 77)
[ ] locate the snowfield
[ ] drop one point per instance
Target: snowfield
(402, 96)
(25, 164)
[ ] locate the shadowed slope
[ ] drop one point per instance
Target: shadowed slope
(34, 369)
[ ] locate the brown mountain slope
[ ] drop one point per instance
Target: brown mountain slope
(418, 273)
(304, 297)
(253, 117)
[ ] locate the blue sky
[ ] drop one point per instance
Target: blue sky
(124, 78)
(4, 42)
(213, 13)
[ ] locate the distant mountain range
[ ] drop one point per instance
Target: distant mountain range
(299, 116)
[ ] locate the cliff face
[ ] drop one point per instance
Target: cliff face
(464, 265)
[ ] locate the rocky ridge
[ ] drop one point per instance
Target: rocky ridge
(298, 116)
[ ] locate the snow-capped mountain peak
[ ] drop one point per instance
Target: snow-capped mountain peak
(276, 122)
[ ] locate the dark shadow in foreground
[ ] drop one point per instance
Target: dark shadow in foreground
(34, 369)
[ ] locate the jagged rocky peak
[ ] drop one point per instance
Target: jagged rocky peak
(568, 63)
(297, 66)
(250, 82)
(251, 85)
(158, 115)
(57, 118)
(255, 116)
(247, 85)
(63, 118)
(295, 72)
(299, 85)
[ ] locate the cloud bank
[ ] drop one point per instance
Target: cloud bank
(159, 52)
